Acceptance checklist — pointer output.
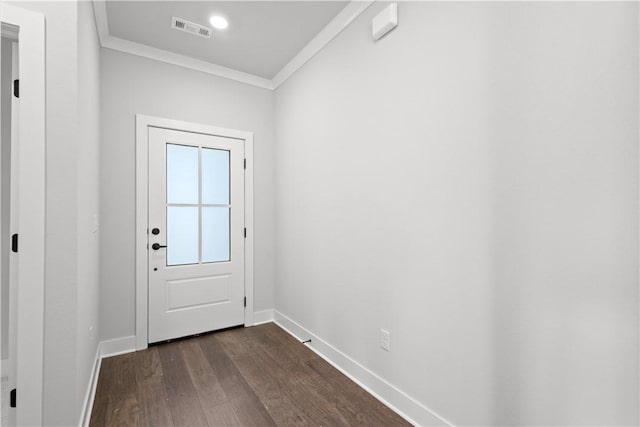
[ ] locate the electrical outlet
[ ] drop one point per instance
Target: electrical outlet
(385, 340)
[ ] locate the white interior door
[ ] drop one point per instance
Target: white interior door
(195, 233)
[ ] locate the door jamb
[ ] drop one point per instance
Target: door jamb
(143, 122)
(31, 210)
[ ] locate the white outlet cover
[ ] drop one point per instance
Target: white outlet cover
(385, 21)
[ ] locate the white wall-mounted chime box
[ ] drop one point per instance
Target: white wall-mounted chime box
(385, 21)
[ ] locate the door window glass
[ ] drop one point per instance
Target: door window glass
(198, 205)
(182, 235)
(215, 234)
(182, 174)
(215, 177)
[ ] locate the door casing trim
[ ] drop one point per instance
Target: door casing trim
(31, 211)
(143, 122)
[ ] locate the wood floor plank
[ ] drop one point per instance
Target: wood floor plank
(123, 411)
(224, 414)
(101, 399)
(292, 380)
(202, 376)
(293, 357)
(118, 402)
(152, 397)
(282, 338)
(263, 381)
(289, 354)
(122, 378)
(246, 404)
(282, 409)
(259, 376)
(147, 365)
(183, 400)
(286, 350)
(213, 399)
(367, 409)
(154, 405)
(219, 361)
(310, 401)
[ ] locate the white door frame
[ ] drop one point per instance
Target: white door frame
(31, 273)
(143, 122)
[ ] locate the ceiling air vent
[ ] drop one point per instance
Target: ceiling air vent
(190, 27)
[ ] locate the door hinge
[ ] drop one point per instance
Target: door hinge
(14, 243)
(16, 88)
(245, 232)
(245, 301)
(12, 398)
(245, 163)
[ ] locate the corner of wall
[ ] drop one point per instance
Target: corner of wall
(403, 404)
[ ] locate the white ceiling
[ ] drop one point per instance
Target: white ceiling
(262, 37)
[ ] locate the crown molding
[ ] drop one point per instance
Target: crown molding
(9, 31)
(328, 33)
(102, 22)
(138, 49)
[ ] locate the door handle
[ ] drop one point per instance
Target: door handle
(157, 246)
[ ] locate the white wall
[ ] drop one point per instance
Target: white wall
(470, 183)
(88, 196)
(132, 85)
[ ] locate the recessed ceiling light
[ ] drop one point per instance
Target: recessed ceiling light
(218, 22)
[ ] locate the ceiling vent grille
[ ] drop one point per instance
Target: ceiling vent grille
(190, 27)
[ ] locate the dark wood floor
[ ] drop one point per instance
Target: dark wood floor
(259, 376)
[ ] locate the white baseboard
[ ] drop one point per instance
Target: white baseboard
(406, 406)
(264, 316)
(106, 348)
(403, 404)
(85, 415)
(117, 346)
